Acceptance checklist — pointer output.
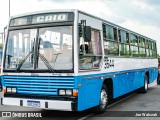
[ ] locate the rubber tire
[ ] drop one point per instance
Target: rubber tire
(144, 89)
(99, 109)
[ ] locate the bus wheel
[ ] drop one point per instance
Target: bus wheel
(103, 100)
(144, 89)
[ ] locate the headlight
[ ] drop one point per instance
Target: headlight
(68, 92)
(62, 92)
(14, 90)
(9, 90)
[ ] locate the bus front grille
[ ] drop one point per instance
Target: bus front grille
(36, 85)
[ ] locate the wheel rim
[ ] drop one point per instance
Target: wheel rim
(146, 85)
(104, 98)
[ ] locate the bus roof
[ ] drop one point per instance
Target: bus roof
(44, 11)
(82, 12)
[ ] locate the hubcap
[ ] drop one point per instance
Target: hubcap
(104, 98)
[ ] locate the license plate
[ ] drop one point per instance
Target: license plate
(33, 103)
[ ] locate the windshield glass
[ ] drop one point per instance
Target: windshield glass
(55, 46)
(51, 50)
(19, 45)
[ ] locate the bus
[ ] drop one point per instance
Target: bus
(0, 69)
(70, 60)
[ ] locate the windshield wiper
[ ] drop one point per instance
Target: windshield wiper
(43, 58)
(31, 52)
(20, 65)
(46, 62)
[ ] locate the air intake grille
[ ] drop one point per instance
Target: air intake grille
(44, 85)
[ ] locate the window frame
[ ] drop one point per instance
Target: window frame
(38, 27)
(91, 55)
(124, 43)
(115, 41)
(135, 44)
(141, 42)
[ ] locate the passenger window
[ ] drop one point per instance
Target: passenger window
(141, 42)
(133, 39)
(110, 40)
(154, 50)
(109, 32)
(110, 48)
(90, 52)
(134, 45)
(124, 46)
(134, 50)
(142, 51)
(147, 44)
(150, 48)
(123, 36)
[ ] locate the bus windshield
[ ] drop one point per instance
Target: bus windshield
(40, 49)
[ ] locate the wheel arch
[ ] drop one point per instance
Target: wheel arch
(108, 82)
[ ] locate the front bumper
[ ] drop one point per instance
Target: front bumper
(44, 104)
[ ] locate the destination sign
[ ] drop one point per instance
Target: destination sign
(50, 18)
(42, 18)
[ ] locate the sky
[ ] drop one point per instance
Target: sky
(141, 16)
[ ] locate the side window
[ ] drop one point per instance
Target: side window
(134, 45)
(150, 48)
(110, 40)
(124, 46)
(90, 52)
(142, 50)
(154, 50)
(147, 48)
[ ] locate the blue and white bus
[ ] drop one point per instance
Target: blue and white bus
(70, 60)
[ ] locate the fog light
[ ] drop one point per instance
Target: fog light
(68, 92)
(62, 92)
(9, 90)
(14, 90)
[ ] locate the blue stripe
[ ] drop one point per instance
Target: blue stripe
(37, 77)
(10, 85)
(37, 89)
(42, 93)
(29, 83)
(50, 81)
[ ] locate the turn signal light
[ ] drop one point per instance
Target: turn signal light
(4, 90)
(75, 92)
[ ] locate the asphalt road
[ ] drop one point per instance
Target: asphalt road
(128, 105)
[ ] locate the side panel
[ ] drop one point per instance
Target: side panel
(89, 92)
(127, 73)
(123, 82)
(153, 74)
(127, 82)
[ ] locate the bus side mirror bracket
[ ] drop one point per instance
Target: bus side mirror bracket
(85, 31)
(87, 34)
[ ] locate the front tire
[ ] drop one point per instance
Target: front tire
(104, 99)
